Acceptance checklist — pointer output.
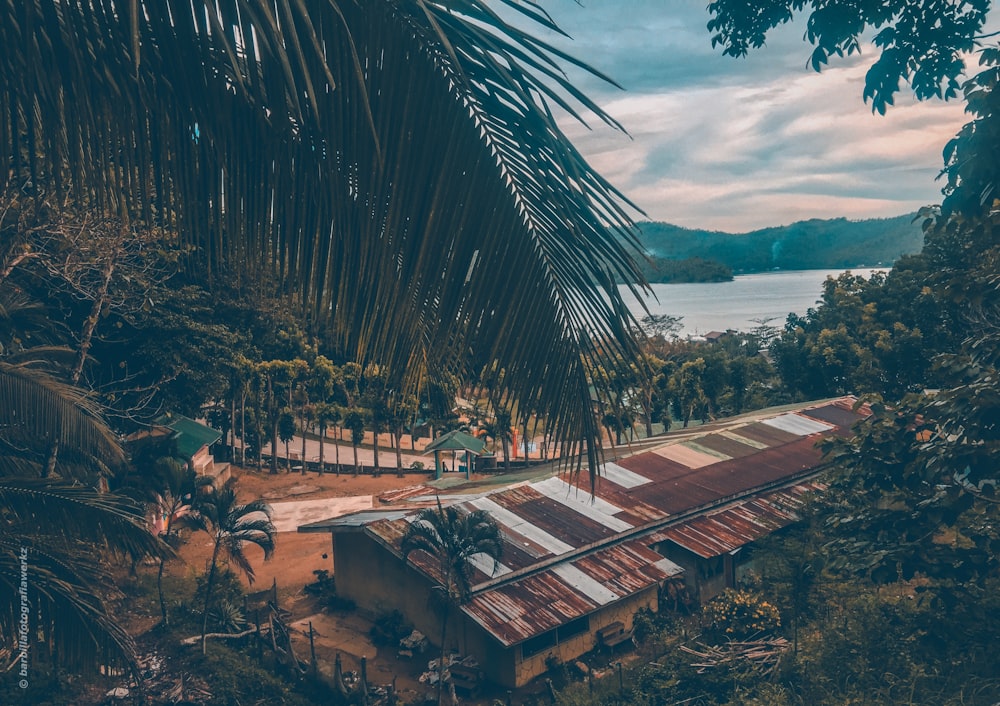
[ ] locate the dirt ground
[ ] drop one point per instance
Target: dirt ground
(297, 556)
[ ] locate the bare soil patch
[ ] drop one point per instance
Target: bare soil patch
(296, 558)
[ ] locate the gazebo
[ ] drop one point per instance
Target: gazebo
(455, 441)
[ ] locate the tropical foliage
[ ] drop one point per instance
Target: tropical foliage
(380, 161)
(232, 526)
(453, 540)
(58, 533)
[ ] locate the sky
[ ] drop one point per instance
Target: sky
(739, 144)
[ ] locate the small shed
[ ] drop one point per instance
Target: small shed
(193, 442)
(454, 441)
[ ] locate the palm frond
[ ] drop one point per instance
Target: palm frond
(408, 146)
(69, 513)
(37, 410)
(67, 591)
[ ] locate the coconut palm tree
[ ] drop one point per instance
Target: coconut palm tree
(381, 158)
(451, 538)
(56, 533)
(232, 526)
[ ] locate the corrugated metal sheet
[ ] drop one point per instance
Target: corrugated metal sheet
(521, 526)
(725, 445)
(591, 588)
(765, 434)
(658, 468)
(744, 439)
(622, 476)
(686, 456)
(487, 566)
(531, 605)
(537, 588)
(835, 414)
(527, 607)
(706, 449)
(593, 507)
(538, 509)
(798, 424)
(740, 524)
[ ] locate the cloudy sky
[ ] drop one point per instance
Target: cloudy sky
(738, 144)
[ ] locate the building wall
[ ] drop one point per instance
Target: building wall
(202, 462)
(527, 668)
(379, 582)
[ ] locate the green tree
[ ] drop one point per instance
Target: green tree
(354, 421)
(231, 526)
(325, 415)
(687, 392)
(452, 539)
(286, 432)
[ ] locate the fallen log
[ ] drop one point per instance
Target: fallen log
(217, 636)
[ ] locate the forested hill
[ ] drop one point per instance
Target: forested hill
(805, 245)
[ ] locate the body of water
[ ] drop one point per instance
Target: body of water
(735, 305)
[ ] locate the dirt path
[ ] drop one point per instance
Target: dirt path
(297, 499)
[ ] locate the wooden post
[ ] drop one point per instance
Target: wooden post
(312, 650)
(363, 684)
(260, 640)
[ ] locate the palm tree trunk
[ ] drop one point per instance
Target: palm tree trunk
(444, 652)
(232, 427)
(159, 590)
(322, 444)
(208, 595)
(302, 428)
(243, 427)
(399, 451)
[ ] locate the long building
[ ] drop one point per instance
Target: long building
(673, 522)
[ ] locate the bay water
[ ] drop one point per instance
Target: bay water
(718, 306)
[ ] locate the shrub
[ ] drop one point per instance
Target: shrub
(390, 628)
(739, 614)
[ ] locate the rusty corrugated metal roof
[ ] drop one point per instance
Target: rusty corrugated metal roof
(740, 524)
(529, 606)
(565, 556)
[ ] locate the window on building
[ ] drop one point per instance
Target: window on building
(573, 628)
(538, 643)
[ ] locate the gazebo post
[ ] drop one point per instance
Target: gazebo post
(437, 465)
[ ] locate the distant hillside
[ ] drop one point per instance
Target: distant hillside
(807, 245)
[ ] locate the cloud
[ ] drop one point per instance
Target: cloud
(741, 144)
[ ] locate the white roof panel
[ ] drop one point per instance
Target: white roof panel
(588, 586)
(623, 476)
(520, 525)
(796, 424)
(484, 563)
(584, 503)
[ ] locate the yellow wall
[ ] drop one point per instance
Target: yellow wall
(621, 611)
(379, 582)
